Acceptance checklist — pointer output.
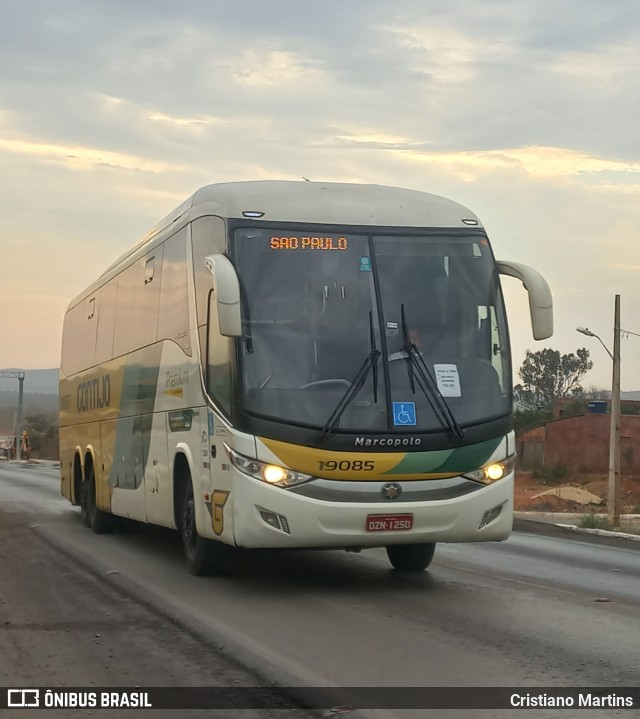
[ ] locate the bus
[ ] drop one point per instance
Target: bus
(298, 365)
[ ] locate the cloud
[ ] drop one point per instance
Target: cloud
(184, 122)
(541, 162)
(281, 68)
(445, 55)
(83, 157)
(112, 113)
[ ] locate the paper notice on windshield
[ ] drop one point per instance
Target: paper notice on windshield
(448, 379)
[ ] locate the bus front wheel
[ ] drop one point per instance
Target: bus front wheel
(410, 557)
(203, 556)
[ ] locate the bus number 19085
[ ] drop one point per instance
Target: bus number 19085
(346, 465)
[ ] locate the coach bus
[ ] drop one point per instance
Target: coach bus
(296, 365)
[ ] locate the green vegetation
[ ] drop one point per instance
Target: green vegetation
(530, 419)
(551, 475)
(42, 429)
(575, 408)
(595, 521)
(600, 521)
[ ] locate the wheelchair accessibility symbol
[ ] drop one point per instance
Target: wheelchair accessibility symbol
(404, 413)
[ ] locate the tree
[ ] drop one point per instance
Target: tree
(547, 375)
(42, 430)
(594, 392)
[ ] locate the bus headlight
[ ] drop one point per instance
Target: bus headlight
(269, 473)
(493, 471)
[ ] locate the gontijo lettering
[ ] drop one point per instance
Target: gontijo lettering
(94, 394)
(308, 243)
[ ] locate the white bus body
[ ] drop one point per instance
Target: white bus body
(298, 365)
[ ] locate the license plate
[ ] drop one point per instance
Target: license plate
(389, 522)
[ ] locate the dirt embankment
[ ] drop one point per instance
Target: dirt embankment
(577, 493)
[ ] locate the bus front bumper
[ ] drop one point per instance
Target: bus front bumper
(269, 517)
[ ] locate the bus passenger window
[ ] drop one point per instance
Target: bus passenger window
(218, 368)
(173, 319)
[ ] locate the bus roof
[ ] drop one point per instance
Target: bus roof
(329, 203)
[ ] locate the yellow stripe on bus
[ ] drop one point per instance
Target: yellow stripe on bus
(344, 465)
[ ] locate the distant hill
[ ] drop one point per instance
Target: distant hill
(31, 402)
(40, 389)
(36, 381)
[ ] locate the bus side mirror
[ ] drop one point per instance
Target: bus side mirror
(226, 290)
(540, 299)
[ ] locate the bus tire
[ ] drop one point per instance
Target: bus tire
(411, 557)
(99, 521)
(84, 506)
(203, 556)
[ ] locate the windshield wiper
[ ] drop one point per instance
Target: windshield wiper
(369, 364)
(420, 374)
(372, 339)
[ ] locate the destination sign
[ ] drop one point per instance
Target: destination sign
(308, 243)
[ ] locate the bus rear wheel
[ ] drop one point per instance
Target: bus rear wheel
(411, 557)
(99, 521)
(203, 556)
(84, 504)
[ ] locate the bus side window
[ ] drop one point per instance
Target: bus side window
(173, 319)
(89, 331)
(146, 297)
(123, 337)
(483, 334)
(72, 340)
(499, 353)
(106, 319)
(218, 368)
(208, 236)
(488, 342)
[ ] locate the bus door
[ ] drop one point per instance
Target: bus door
(216, 477)
(214, 461)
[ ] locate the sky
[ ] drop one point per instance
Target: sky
(112, 112)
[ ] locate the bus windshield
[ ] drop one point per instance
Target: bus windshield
(318, 304)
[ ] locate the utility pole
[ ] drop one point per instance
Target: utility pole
(20, 418)
(17, 425)
(613, 503)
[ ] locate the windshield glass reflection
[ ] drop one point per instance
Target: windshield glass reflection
(316, 306)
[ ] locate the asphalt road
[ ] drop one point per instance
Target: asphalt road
(540, 610)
